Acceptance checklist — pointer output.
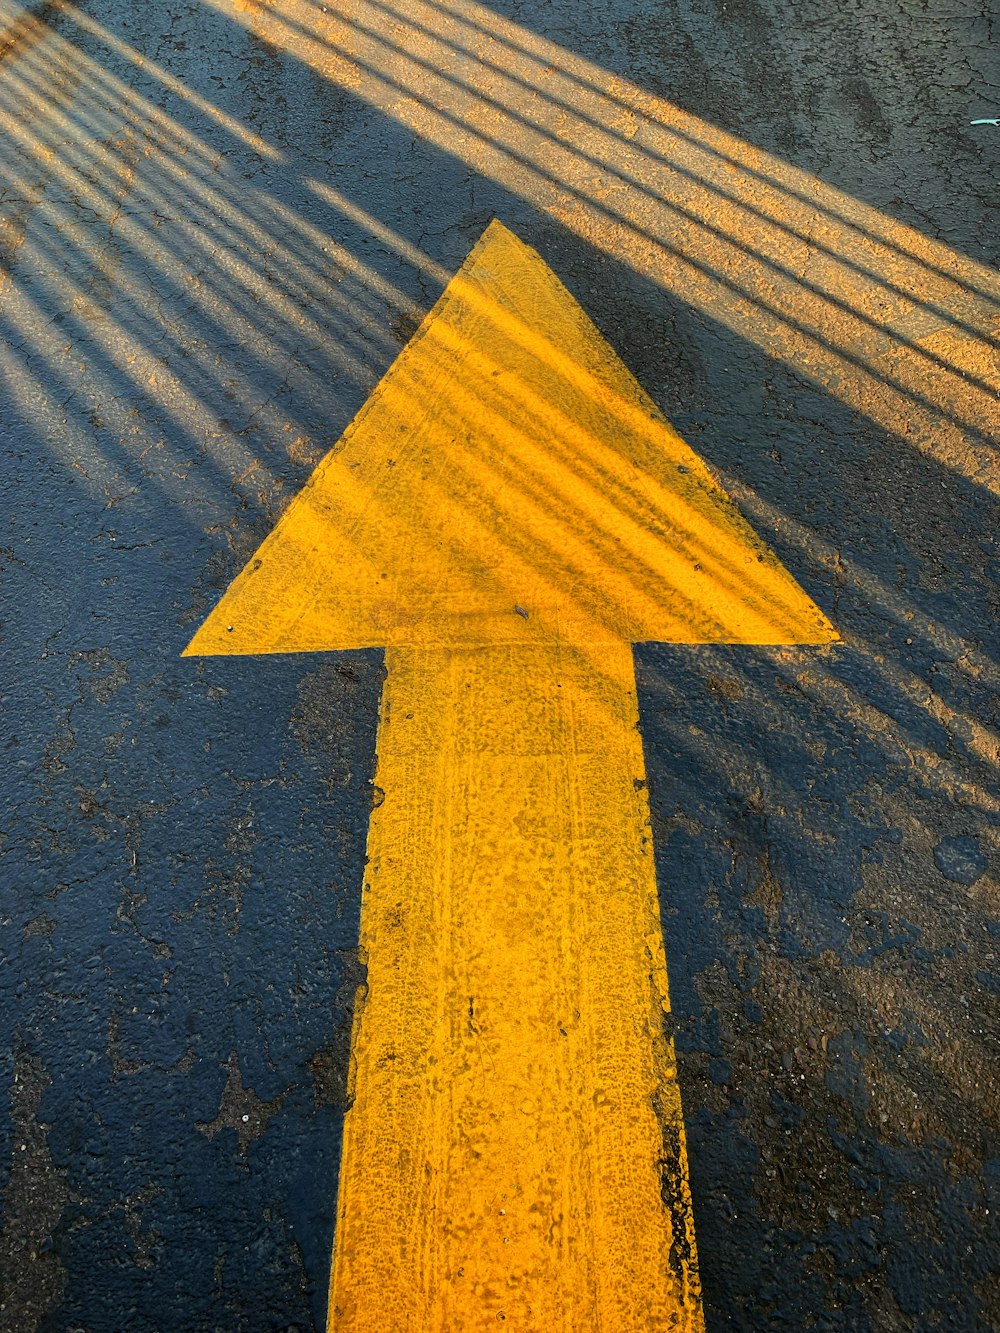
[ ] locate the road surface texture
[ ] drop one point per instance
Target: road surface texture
(220, 222)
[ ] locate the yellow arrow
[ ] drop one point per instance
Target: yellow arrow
(507, 515)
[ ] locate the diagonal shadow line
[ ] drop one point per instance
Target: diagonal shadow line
(765, 516)
(200, 320)
(807, 331)
(237, 221)
(786, 274)
(169, 287)
(673, 164)
(27, 30)
(558, 429)
(775, 182)
(797, 325)
(636, 182)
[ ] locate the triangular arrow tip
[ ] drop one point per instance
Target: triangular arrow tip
(509, 480)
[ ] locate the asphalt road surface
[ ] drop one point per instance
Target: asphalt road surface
(220, 222)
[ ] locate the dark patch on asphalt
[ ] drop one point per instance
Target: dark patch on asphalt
(241, 1110)
(960, 858)
(39, 925)
(32, 1276)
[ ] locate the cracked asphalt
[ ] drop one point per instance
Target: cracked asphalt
(220, 220)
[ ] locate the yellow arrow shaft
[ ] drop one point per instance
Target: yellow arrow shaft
(515, 1149)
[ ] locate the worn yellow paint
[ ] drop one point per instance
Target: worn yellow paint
(507, 515)
(517, 1120)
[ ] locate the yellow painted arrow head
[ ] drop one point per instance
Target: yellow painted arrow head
(509, 481)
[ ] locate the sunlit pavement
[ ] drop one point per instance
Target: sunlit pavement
(220, 222)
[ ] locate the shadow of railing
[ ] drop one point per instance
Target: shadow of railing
(860, 304)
